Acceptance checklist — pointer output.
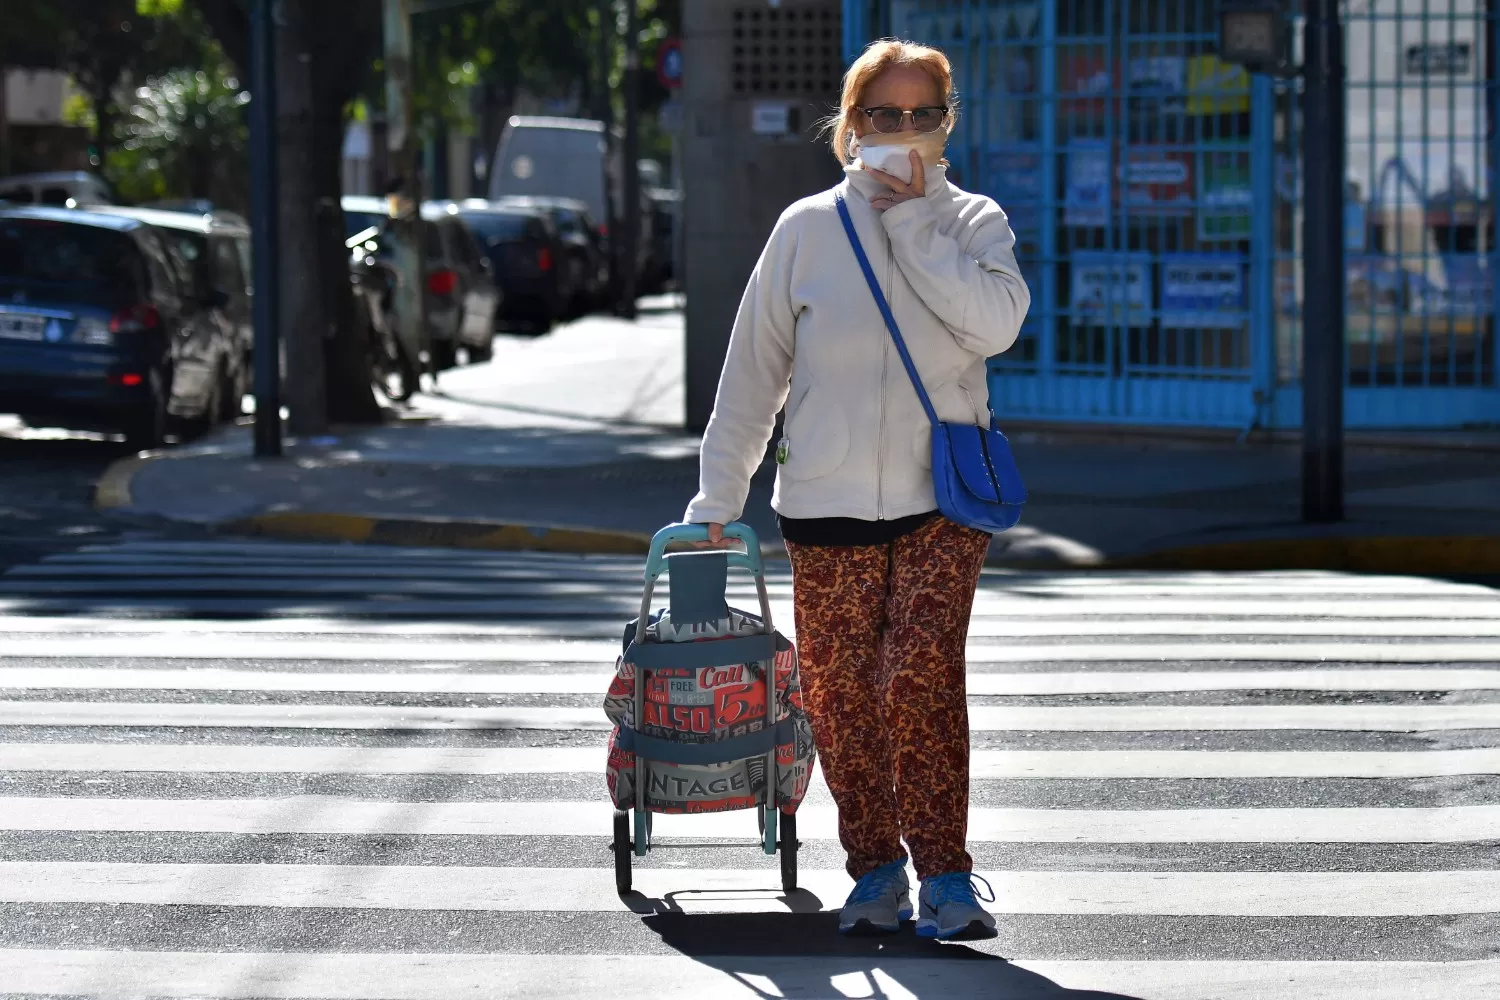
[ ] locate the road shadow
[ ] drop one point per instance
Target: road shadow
(801, 954)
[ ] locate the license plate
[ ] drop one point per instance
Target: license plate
(14, 327)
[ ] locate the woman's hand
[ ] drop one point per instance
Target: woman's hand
(900, 190)
(716, 539)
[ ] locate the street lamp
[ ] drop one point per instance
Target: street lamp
(1256, 34)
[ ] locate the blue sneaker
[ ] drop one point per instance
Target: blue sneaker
(948, 908)
(880, 902)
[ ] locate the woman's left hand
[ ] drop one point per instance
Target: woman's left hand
(900, 190)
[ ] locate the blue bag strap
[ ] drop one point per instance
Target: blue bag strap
(885, 311)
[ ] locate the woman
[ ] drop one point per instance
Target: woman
(883, 584)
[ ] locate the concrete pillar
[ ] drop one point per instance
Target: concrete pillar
(748, 67)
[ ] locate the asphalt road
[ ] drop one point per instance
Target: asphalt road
(240, 769)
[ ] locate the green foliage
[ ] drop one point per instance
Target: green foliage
(183, 135)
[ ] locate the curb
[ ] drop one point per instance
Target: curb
(439, 533)
(112, 491)
(1418, 555)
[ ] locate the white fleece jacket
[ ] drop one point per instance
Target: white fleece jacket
(809, 335)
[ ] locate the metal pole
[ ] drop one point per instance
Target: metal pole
(1323, 265)
(632, 173)
(605, 112)
(263, 198)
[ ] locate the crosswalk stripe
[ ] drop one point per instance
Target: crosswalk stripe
(575, 651)
(335, 815)
(982, 684)
(983, 718)
(984, 764)
(1260, 894)
(298, 975)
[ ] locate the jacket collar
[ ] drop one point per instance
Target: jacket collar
(867, 187)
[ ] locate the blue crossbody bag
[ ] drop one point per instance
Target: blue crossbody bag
(974, 473)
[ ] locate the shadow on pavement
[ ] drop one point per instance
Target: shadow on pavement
(771, 952)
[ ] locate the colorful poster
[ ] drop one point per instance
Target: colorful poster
(1157, 181)
(1225, 198)
(1110, 289)
(1203, 290)
(1163, 78)
(1016, 184)
(1085, 79)
(1216, 87)
(1086, 200)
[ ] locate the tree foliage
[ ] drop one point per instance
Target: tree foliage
(183, 134)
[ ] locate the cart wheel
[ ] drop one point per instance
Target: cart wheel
(789, 852)
(622, 851)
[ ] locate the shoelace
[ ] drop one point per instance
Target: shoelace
(877, 883)
(958, 887)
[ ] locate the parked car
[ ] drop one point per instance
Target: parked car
(461, 297)
(101, 330)
(585, 253)
(569, 158)
(527, 254)
(62, 188)
(212, 252)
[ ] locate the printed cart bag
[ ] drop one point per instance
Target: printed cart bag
(705, 706)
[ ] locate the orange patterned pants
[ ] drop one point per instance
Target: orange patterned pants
(881, 631)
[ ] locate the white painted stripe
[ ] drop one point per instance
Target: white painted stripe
(604, 652)
(1076, 682)
(1081, 719)
(518, 890)
(336, 815)
(295, 975)
(984, 764)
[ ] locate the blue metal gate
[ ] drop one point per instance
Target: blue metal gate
(1154, 191)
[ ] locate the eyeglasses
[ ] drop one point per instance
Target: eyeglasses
(926, 119)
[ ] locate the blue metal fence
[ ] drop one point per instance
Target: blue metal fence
(1154, 194)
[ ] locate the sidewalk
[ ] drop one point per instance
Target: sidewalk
(538, 450)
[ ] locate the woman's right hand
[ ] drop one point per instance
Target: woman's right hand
(716, 539)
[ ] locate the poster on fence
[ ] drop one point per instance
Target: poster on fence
(1086, 200)
(1110, 289)
(1015, 182)
(1203, 290)
(1224, 195)
(1157, 181)
(1216, 87)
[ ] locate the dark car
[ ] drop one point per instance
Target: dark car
(586, 254)
(98, 328)
(460, 297)
(61, 188)
(527, 254)
(212, 252)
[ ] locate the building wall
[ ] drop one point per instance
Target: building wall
(737, 181)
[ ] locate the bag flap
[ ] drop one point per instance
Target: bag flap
(984, 463)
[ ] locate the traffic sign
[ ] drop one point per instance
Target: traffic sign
(669, 63)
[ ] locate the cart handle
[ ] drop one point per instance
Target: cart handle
(747, 560)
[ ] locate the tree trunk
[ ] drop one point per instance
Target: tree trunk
(350, 397)
(303, 314)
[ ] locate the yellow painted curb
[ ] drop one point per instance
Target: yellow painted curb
(440, 533)
(1415, 554)
(113, 489)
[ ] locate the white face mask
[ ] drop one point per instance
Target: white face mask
(891, 151)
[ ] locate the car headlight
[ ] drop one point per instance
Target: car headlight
(93, 332)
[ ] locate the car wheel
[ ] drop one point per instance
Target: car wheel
(147, 428)
(231, 398)
(444, 355)
(484, 352)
